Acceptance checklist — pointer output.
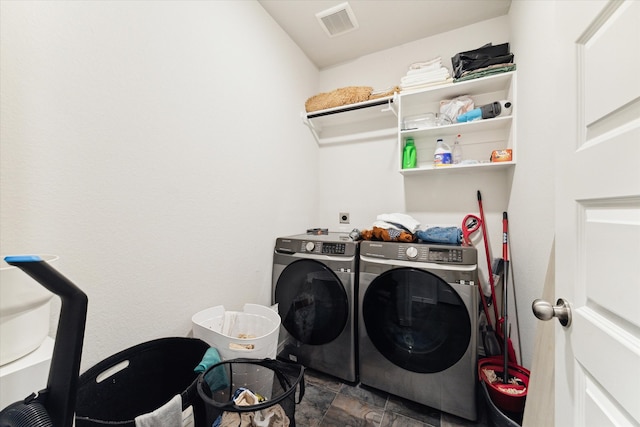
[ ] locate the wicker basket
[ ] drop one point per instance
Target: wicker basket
(338, 97)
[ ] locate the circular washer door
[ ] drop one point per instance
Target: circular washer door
(312, 302)
(416, 320)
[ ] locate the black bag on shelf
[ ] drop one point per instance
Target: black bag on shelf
(480, 58)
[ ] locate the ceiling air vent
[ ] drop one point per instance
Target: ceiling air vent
(337, 20)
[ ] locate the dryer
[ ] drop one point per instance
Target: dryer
(418, 322)
(315, 287)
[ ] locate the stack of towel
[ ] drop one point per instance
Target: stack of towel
(394, 227)
(398, 221)
(425, 74)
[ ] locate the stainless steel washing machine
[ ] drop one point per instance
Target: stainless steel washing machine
(315, 287)
(418, 321)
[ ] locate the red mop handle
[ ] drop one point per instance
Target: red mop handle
(487, 252)
(505, 316)
(505, 255)
(505, 227)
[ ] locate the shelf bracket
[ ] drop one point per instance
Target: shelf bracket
(391, 103)
(311, 127)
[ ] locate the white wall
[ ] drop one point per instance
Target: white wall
(368, 182)
(156, 147)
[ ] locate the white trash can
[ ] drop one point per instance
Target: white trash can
(251, 333)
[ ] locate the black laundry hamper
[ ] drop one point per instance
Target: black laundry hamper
(139, 380)
(275, 380)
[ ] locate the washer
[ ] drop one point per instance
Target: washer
(418, 323)
(315, 287)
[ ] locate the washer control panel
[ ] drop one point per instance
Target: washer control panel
(419, 252)
(444, 255)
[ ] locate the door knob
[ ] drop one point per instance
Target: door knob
(543, 310)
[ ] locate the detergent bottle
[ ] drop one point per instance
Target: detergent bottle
(442, 155)
(409, 159)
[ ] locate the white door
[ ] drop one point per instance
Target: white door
(598, 212)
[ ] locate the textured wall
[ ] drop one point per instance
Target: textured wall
(156, 148)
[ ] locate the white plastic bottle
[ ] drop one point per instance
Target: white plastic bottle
(457, 151)
(442, 155)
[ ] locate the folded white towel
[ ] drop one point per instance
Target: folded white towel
(424, 69)
(417, 65)
(386, 225)
(418, 86)
(169, 415)
(425, 78)
(402, 219)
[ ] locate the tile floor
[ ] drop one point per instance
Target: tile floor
(328, 402)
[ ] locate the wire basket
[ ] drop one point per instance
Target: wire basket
(272, 382)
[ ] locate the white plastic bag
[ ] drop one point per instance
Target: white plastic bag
(452, 108)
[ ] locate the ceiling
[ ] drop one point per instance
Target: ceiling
(382, 23)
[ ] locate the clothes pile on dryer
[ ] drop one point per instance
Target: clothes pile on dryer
(394, 227)
(399, 227)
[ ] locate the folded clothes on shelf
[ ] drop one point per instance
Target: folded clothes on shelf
(424, 74)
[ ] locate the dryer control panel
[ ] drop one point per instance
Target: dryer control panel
(333, 244)
(323, 247)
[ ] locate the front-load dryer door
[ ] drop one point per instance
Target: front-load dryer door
(312, 302)
(416, 320)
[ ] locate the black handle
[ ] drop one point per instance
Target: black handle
(65, 364)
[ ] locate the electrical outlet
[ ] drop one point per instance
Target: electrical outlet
(344, 217)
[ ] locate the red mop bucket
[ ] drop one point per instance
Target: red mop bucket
(509, 397)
